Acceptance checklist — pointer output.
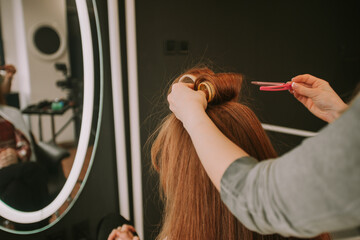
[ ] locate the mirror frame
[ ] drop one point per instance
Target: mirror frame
(89, 81)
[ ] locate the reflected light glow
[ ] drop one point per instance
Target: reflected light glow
(134, 115)
(118, 109)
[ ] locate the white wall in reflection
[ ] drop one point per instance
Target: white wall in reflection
(36, 75)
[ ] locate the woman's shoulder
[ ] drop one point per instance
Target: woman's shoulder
(14, 116)
(9, 111)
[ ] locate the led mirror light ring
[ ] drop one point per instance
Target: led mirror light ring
(88, 61)
(118, 108)
(135, 142)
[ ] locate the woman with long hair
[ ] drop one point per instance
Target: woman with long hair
(192, 205)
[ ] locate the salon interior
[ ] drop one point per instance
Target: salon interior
(91, 82)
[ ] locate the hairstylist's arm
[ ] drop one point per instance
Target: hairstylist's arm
(317, 96)
(210, 143)
(312, 189)
(308, 191)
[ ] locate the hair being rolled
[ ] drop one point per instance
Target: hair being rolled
(193, 207)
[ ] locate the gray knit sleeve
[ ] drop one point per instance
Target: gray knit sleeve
(314, 188)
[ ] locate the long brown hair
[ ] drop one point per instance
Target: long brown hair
(2, 97)
(193, 207)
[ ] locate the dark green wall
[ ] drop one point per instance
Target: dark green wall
(265, 40)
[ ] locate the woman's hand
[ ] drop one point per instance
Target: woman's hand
(8, 156)
(186, 103)
(125, 232)
(317, 96)
(10, 71)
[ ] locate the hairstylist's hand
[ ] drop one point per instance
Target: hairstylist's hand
(125, 232)
(317, 96)
(186, 103)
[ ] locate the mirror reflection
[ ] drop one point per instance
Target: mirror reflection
(41, 99)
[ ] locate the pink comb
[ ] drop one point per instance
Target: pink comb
(273, 86)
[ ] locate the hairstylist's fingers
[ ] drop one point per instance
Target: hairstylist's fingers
(190, 85)
(186, 103)
(178, 90)
(303, 84)
(303, 90)
(176, 85)
(306, 78)
(136, 238)
(113, 234)
(126, 227)
(181, 85)
(124, 235)
(290, 90)
(301, 98)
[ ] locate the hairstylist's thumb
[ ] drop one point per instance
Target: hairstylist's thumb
(303, 90)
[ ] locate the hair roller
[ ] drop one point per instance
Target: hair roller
(187, 78)
(209, 90)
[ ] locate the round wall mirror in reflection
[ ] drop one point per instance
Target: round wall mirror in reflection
(50, 115)
(47, 35)
(47, 40)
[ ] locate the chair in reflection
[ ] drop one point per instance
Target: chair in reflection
(30, 186)
(50, 156)
(23, 187)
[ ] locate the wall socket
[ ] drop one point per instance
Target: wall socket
(173, 47)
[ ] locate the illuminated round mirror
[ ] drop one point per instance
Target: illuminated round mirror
(58, 97)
